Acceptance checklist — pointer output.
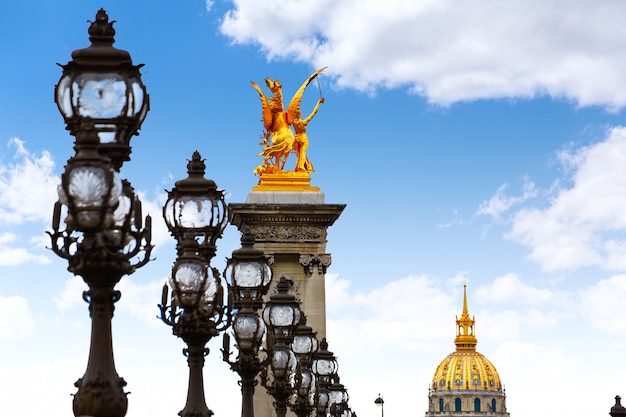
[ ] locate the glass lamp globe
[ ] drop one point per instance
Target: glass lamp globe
(283, 362)
(190, 281)
(321, 400)
(195, 208)
(307, 385)
(304, 340)
(282, 312)
(101, 90)
(337, 394)
(248, 273)
(249, 330)
(187, 283)
(324, 362)
(91, 192)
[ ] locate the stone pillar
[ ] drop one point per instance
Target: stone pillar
(291, 227)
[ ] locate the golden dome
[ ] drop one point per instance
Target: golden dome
(466, 369)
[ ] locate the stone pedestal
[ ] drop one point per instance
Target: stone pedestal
(292, 228)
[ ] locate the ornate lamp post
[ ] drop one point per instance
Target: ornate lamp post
(281, 315)
(324, 367)
(195, 213)
(248, 275)
(103, 102)
(304, 345)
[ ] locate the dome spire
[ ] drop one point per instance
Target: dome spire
(465, 312)
(465, 336)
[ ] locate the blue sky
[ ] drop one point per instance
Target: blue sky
(480, 144)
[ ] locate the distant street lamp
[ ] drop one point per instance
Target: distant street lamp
(195, 214)
(379, 401)
(281, 315)
(324, 367)
(103, 102)
(248, 275)
(304, 346)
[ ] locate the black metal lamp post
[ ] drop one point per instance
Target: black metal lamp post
(248, 275)
(381, 402)
(103, 102)
(281, 315)
(304, 345)
(195, 213)
(324, 367)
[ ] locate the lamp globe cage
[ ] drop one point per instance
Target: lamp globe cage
(337, 397)
(248, 274)
(305, 342)
(101, 93)
(282, 312)
(90, 189)
(321, 401)
(324, 363)
(192, 286)
(195, 209)
(305, 387)
(283, 362)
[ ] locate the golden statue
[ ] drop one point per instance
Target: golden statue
(279, 140)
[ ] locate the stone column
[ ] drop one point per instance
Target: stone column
(291, 227)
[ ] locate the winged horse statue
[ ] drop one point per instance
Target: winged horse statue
(279, 139)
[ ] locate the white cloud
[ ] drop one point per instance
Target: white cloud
(336, 293)
(138, 299)
(528, 367)
(509, 289)
(10, 256)
(397, 310)
(16, 320)
(602, 304)
(70, 297)
(141, 300)
(585, 224)
(446, 50)
(501, 203)
(26, 185)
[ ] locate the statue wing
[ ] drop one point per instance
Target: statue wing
(297, 97)
(265, 106)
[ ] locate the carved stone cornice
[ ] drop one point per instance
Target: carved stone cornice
(285, 222)
(288, 233)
